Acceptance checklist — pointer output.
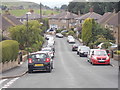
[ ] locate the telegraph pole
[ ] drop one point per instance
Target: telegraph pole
(40, 12)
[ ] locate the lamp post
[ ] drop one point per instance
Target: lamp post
(40, 12)
(27, 14)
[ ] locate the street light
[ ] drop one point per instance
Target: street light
(27, 14)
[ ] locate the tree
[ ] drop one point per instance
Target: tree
(64, 7)
(98, 7)
(87, 31)
(3, 7)
(25, 37)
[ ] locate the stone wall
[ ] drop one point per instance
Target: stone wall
(116, 57)
(8, 65)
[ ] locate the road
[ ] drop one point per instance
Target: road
(70, 71)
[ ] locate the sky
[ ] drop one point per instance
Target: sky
(50, 3)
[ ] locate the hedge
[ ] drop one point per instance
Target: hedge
(117, 52)
(10, 49)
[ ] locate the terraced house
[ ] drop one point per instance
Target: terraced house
(8, 21)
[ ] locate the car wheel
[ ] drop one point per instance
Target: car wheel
(50, 69)
(52, 66)
(30, 71)
(88, 60)
(92, 63)
(77, 53)
(80, 55)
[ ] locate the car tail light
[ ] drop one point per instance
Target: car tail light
(30, 60)
(47, 60)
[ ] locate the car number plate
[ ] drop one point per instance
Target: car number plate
(101, 61)
(38, 64)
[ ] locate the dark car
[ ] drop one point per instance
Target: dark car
(40, 61)
(75, 47)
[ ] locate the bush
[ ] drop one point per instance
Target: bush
(71, 33)
(117, 52)
(10, 49)
(58, 31)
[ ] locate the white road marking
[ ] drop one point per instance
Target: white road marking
(1, 81)
(10, 82)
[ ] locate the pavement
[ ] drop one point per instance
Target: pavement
(70, 71)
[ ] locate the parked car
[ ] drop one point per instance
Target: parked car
(51, 41)
(75, 47)
(70, 39)
(83, 51)
(64, 31)
(39, 61)
(51, 31)
(59, 35)
(98, 56)
(51, 51)
(47, 36)
(112, 45)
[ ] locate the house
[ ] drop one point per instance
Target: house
(113, 23)
(106, 17)
(64, 20)
(90, 14)
(7, 21)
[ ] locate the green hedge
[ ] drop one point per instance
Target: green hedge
(117, 52)
(10, 49)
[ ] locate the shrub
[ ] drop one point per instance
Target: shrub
(117, 52)
(71, 32)
(10, 49)
(58, 31)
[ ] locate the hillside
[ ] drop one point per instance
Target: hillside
(26, 5)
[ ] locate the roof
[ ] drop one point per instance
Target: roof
(105, 17)
(8, 21)
(90, 15)
(115, 21)
(64, 15)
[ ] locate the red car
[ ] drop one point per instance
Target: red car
(99, 57)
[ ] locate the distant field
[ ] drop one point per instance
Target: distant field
(18, 13)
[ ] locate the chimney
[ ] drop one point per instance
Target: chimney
(78, 13)
(114, 11)
(91, 10)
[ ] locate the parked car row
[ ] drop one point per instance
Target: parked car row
(95, 56)
(42, 60)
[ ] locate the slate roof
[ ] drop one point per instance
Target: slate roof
(105, 17)
(8, 21)
(64, 15)
(115, 20)
(90, 15)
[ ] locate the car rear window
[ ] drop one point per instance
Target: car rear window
(100, 53)
(41, 56)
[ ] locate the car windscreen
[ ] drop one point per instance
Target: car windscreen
(40, 56)
(85, 49)
(100, 53)
(47, 50)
